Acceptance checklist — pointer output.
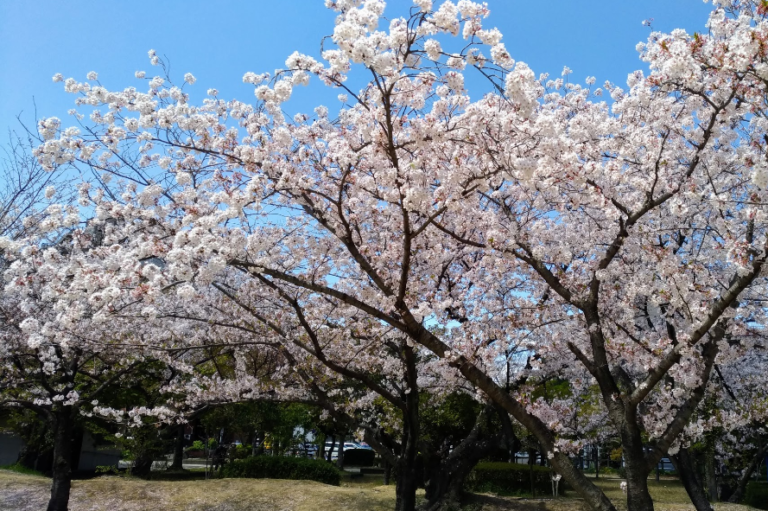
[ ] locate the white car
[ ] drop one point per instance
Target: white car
(347, 447)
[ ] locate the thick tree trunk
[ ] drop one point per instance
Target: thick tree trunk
(405, 489)
(445, 487)
(178, 451)
(638, 497)
(407, 476)
(406, 480)
(142, 465)
(741, 487)
(686, 468)
(387, 472)
(445, 483)
(62, 459)
(593, 496)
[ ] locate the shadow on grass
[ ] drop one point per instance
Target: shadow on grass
(178, 475)
(491, 503)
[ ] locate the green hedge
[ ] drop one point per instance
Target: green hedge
(757, 495)
(510, 479)
(280, 467)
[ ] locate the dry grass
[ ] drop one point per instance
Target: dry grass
(20, 492)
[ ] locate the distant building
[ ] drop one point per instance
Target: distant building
(10, 449)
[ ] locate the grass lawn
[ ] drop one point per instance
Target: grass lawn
(25, 492)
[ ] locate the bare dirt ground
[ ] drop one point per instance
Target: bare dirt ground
(20, 492)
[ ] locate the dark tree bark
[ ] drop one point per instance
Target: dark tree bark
(405, 487)
(636, 464)
(741, 487)
(340, 459)
(445, 483)
(178, 449)
(407, 476)
(142, 465)
(686, 467)
(63, 426)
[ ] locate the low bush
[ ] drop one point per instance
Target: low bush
(241, 452)
(280, 467)
(510, 479)
(757, 495)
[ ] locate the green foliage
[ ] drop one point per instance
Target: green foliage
(450, 417)
(275, 420)
(279, 467)
(510, 479)
(144, 444)
(197, 445)
(757, 495)
(553, 389)
(242, 451)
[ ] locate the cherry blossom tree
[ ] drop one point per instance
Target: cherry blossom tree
(62, 346)
(25, 187)
(728, 430)
(366, 375)
(623, 242)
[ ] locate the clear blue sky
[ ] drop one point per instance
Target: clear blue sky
(219, 41)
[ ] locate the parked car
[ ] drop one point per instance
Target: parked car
(347, 447)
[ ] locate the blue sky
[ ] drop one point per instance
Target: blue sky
(219, 41)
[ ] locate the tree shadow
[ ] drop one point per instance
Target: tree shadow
(491, 503)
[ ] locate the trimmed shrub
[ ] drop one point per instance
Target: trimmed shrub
(241, 452)
(281, 467)
(757, 495)
(510, 479)
(359, 457)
